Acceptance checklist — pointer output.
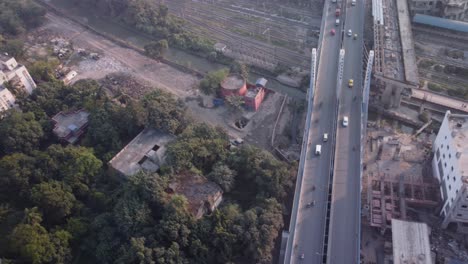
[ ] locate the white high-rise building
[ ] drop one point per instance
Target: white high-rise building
(450, 166)
(7, 100)
(11, 71)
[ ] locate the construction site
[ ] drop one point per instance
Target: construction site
(420, 72)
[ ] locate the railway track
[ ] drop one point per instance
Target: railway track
(445, 61)
(250, 46)
(442, 80)
(279, 31)
(437, 37)
(204, 19)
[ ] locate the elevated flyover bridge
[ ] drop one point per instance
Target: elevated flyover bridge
(325, 219)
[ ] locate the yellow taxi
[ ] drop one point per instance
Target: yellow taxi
(351, 83)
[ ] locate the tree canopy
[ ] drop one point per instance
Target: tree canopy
(210, 83)
(58, 204)
(18, 15)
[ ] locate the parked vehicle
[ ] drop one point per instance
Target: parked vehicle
(350, 33)
(353, 2)
(325, 137)
(337, 12)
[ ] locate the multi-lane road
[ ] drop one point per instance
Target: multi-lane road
(310, 223)
(328, 232)
(344, 234)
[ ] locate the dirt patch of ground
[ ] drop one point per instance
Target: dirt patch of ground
(124, 70)
(113, 58)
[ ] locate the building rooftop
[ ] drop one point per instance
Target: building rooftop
(458, 125)
(67, 123)
(407, 43)
(251, 93)
(145, 152)
(410, 243)
(233, 82)
(199, 191)
(441, 23)
(4, 56)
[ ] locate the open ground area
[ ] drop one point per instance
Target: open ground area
(124, 70)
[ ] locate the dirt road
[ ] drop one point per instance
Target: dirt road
(151, 73)
(117, 59)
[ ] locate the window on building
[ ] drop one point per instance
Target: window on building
(450, 156)
(452, 168)
(445, 137)
(445, 164)
(438, 154)
(464, 206)
(450, 188)
(451, 199)
(448, 147)
(459, 215)
(453, 178)
(443, 156)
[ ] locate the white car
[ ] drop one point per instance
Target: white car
(350, 33)
(345, 121)
(318, 150)
(325, 137)
(353, 2)
(337, 22)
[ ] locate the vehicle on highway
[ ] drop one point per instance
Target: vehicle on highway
(353, 2)
(302, 256)
(333, 32)
(333, 1)
(337, 22)
(318, 150)
(337, 12)
(311, 204)
(345, 121)
(350, 33)
(325, 137)
(355, 36)
(351, 83)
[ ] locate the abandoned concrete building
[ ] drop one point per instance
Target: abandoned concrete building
(450, 167)
(69, 127)
(203, 196)
(145, 152)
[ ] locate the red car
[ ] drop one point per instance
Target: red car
(332, 32)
